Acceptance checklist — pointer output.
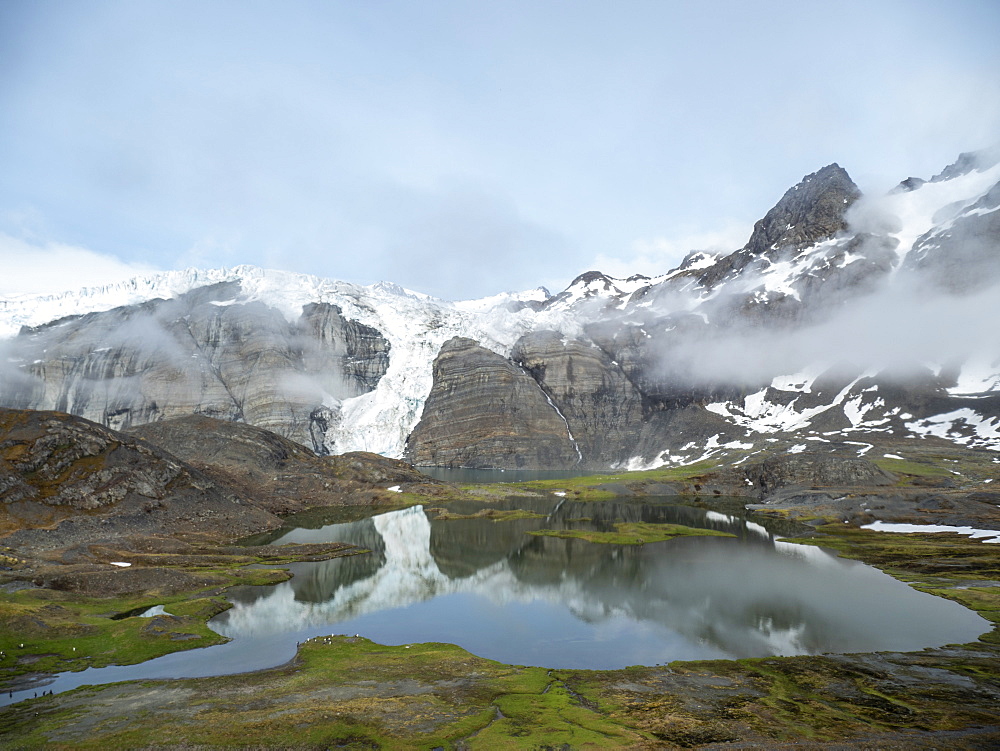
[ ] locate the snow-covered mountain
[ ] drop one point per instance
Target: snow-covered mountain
(845, 319)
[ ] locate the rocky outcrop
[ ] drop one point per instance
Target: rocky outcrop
(816, 470)
(351, 357)
(199, 353)
(485, 411)
(279, 474)
(65, 480)
(963, 255)
(809, 212)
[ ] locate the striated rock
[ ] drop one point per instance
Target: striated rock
(485, 411)
(202, 353)
(348, 356)
(602, 407)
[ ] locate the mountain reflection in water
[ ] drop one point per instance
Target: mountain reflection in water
(523, 599)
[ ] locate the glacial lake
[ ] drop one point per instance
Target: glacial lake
(507, 595)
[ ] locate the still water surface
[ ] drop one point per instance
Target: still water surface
(507, 595)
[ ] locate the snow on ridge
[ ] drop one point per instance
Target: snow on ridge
(978, 376)
(964, 426)
(35, 310)
(763, 416)
(416, 326)
(919, 210)
(539, 294)
(798, 382)
(696, 260)
(274, 287)
(605, 289)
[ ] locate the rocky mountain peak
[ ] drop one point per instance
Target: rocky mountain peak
(589, 277)
(908, 185)
(969, 161)
(808, 213)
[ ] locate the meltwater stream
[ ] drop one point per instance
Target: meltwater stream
(502, 593)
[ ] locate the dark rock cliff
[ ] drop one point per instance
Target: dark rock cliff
(279, 474)
(201, 353)
(809, 212)
(485, 411)
(601, 406)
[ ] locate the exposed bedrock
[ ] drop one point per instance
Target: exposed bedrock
(601, 406)
(204, 352)
(809, 212)
(66, 481)
(555, 404)
(277, 473)
(485, 411)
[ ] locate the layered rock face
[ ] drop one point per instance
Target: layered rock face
(603, 409)
(201, 352)
(555, 404)
(484, 411)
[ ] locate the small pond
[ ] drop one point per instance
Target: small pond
(502, 593)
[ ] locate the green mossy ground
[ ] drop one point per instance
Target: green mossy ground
(61, 632)
(333, 695)
(497, 515)
(348, 692)
(45, 630)
(637, 533)
(592, 487)
(922, 464)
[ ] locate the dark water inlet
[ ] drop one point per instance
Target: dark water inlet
(504, 594)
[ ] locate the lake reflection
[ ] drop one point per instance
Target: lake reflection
(507, 595)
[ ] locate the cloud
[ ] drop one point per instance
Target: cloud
(462, 240)
(658, 255)
(905, 327)
(33, 268)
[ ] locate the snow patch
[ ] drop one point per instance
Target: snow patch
(978, 376)
(916, 209)
(964, 426)
(879, 526)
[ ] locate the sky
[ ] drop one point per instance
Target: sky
(459, 149)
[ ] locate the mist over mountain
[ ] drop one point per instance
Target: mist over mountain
(845, 320)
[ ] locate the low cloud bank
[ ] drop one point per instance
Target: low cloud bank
(49, 268)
